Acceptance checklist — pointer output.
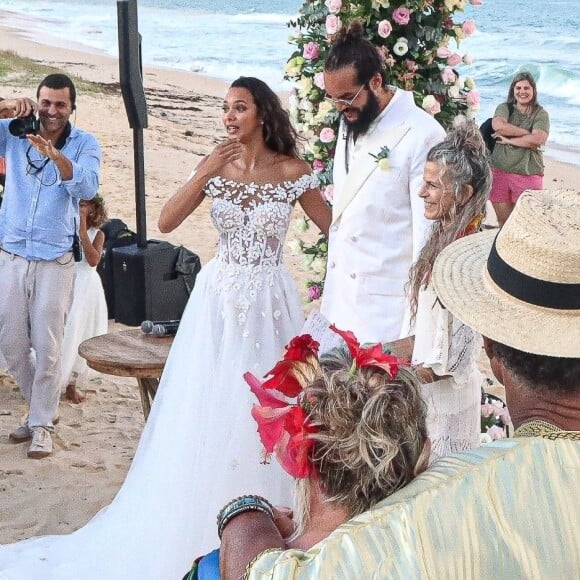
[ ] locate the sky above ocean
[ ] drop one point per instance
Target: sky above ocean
(226, 38)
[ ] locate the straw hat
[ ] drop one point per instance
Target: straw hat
(521, 286)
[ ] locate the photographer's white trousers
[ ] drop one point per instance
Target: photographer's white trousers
(35, 297)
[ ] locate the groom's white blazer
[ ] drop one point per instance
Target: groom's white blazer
(378, 225)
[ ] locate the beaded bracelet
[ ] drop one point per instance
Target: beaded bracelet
(239, 505)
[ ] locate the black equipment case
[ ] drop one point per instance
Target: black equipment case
(152, 283)
(117, 234)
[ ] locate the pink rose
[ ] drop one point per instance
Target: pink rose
(401, 15)
(472, 99)
(384, 28)
(318, 166)
(333, 6)
(469, 27)
(443, 52)
(327, 135)
(411, 65)
(319, 80)
(311, 50)
(504, 415)
(454, 59)
(381, 50)
(314, 292)
(496, 432)
(328, 192)
(333, 24)
(487, 410)
(448, 76)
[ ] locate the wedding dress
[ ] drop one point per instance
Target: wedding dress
(199, 447)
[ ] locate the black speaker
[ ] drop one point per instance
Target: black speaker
(151, 283)
(130, 64)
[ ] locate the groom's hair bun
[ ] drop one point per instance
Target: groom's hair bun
(350, 48)
(355, 29)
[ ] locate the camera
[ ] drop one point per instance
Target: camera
(24, 126)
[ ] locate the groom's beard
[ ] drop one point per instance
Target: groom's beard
(366, 116)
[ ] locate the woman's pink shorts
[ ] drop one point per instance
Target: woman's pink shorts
(507, 187)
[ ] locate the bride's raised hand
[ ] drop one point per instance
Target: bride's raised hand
(190, 195)
(223, 154)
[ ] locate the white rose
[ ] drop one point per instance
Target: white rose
(318, 265)
(306, 105)
(454, 92)
(325, 107)
(401, 47)
(295, 247)
(469, 83)
(384, 164)
(300, 225)
(459, 34)
(293, 101)
(304, 86)
(307, 261)
(484, 439)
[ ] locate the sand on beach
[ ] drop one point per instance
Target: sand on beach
(95, 441)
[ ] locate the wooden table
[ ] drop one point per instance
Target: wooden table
(130, 353)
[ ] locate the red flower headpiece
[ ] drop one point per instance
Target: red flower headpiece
(284, 427)
(373, 356)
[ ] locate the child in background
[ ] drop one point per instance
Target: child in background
(88, 315)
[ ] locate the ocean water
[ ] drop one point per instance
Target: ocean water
(226, 38)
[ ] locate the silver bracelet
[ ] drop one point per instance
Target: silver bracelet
(240, 505)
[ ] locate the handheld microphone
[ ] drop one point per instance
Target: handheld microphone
(166, 329)
(147, 325)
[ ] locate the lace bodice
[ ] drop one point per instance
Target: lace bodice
(252, 219)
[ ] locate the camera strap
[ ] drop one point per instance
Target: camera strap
(61, 141)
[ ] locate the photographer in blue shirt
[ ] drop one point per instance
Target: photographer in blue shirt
(50, 167)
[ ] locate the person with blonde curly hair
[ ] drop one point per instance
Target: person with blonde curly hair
(369, 441)
(355, 435)
(88, 315)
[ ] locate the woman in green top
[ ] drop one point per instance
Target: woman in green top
(521, 128)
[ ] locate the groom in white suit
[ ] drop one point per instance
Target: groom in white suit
(378, 226)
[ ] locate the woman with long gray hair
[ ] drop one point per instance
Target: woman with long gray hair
(457, 180)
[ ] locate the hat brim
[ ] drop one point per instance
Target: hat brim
(461, 281)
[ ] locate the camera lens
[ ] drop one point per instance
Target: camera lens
(24, 126)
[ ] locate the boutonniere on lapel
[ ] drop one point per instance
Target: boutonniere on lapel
(382, 158)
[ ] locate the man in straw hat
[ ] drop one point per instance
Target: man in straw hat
(515, 501)
(521, 291)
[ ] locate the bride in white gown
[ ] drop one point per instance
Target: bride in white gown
(199, 447)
